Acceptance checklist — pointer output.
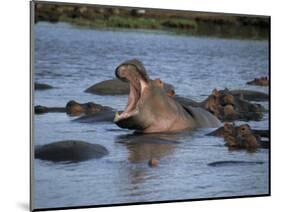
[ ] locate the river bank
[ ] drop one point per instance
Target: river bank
(183, 22)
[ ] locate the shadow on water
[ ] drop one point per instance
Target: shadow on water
(234, 163)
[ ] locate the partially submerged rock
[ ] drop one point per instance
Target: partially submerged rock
(42, 86)
(70, 150)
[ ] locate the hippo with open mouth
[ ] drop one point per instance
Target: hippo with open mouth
(151, 110)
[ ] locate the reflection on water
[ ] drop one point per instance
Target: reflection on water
(145, 147)
(72, 59)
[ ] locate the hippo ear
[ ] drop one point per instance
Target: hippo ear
(171, 93)
(158, 80)
(215, 92)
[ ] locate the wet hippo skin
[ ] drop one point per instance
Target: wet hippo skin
(70, 150)
(150, 109)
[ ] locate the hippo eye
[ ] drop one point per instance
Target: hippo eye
(159, 82)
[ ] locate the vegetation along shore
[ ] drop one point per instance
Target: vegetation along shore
(183, 22)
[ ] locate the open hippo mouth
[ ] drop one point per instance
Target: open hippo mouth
(137, 82)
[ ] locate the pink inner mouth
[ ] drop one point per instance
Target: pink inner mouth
(133, 98)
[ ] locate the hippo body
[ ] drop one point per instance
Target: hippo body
(250, 95)
(151, 110)
(221, 131)
(242, 137)
(39, 109)
(70, 150)
(42, 86)
(102, 116)
(73, 108)
(117, 87)
(227, 107)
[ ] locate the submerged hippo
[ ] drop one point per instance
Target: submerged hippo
(73, 108)
(70, 150)
(102, 116)
(262, 81)
(227, 107)
(241, 137)
(231, 129)
(250, 95)
(42, 86)
(117, 87)
(150, 109)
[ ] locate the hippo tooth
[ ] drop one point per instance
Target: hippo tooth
(116, 116)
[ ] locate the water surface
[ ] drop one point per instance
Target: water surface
(72, 59)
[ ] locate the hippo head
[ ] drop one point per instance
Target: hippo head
(229, 129)
(244, 129)
(74, 108)
(145, 98)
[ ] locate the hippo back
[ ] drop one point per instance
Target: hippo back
(203, 118)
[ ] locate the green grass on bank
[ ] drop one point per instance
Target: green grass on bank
(138, 22)
(184, 26)
(187, 23)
